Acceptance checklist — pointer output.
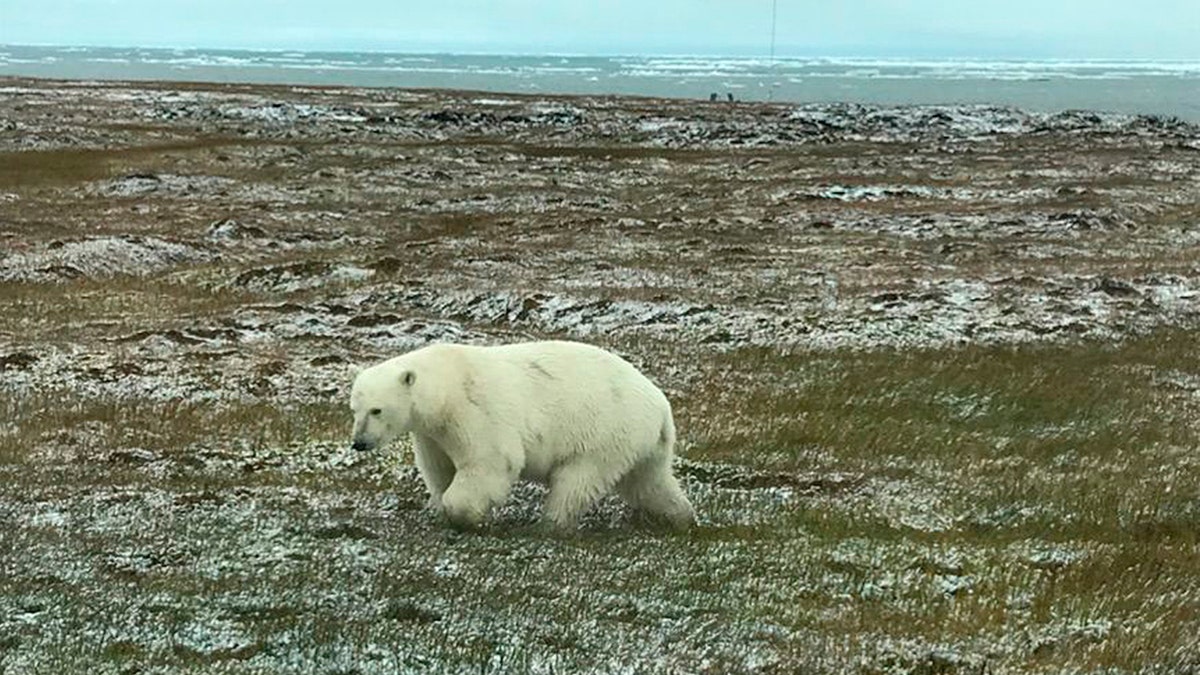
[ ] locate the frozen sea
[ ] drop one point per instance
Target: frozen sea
(1169, 88)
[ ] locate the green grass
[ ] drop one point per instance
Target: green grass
(69, 166)
(1089, 430)
(91, 308)
(1011, 510)
(952, 510)
(104, 429)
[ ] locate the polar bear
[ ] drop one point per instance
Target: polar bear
(573, 416)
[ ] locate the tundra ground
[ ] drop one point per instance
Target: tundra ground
(935, 371)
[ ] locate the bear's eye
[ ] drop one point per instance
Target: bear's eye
(376, 411)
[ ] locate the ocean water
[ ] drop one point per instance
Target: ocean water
(1154, 87)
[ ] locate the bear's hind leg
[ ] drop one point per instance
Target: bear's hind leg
(574, 488)
(651, 488)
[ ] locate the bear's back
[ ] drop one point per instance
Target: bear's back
(555, 375)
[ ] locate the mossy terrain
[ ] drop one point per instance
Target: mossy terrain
(935, 373)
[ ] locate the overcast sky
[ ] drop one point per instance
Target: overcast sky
(983, 28)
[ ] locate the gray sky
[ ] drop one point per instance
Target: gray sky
(983, 28)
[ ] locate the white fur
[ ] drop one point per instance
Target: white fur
(573, 416)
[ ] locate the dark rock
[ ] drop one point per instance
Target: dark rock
(17, 361)
(133, 457)
(388, 265)
(274, 275)
(741, 478)
(403, 611)
(63, 271)
(1116, 287)
(202, 497)
(345, 531)
(365, 320)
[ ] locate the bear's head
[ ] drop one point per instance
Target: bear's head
(382, 402)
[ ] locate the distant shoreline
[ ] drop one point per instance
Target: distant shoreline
(1153, 87)
(781, 56)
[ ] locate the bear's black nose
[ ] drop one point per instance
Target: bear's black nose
(360, 445)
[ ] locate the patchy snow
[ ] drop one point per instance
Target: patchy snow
(495, 101)
(234, 550)
(161, 185)
(98, 257)
(300, 276)
(228, 229)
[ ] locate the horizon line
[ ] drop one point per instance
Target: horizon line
(614, 54)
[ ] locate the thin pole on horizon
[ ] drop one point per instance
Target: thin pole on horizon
(771, 62)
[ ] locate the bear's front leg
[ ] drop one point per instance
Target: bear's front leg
(436, 470)
(474, 491)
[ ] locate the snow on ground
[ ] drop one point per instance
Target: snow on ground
(179, 327)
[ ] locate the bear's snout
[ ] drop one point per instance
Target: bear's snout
(361, 445)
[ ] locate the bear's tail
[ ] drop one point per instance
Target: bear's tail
(666, 436)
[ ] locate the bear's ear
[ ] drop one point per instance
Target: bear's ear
(408, 377)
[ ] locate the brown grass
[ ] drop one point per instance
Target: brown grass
(977, 509)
